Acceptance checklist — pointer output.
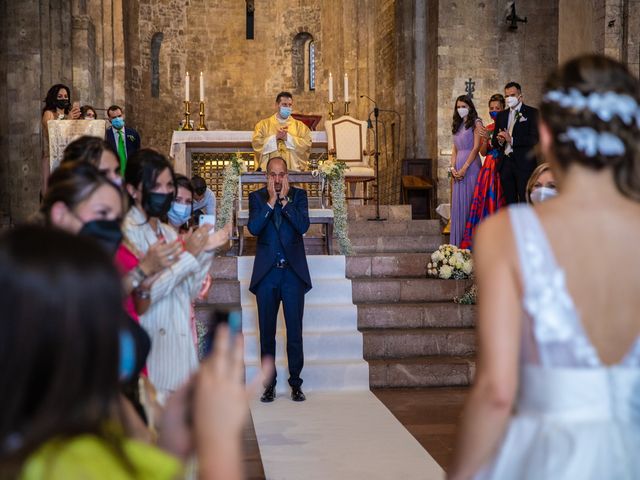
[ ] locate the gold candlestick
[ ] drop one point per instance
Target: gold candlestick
(187, 116)
(331, 110)
(201, 125)
(346, 108)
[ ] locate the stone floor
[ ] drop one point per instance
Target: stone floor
(430, 415)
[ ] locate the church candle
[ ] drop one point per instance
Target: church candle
(186, 88)
(201, 87)
(346, 88)
(330, 87)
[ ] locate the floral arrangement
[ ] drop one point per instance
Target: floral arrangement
(334, 172)
(229, 190)
(450, 261)
(469, 296)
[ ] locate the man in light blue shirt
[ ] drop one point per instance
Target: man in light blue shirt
(203, 198)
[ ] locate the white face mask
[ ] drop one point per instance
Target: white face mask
(543, 193)
(463, 112)
(512, 102)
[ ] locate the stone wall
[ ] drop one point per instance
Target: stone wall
(474, 41)
(411, 56)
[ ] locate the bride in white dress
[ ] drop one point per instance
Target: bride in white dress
(557, 387)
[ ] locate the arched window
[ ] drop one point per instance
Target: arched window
(304, 65)
(156, 42)
(312, 65)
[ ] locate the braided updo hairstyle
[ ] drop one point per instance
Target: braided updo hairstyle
(576, 97)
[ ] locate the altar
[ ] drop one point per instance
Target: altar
(206, 153)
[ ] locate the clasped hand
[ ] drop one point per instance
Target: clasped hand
(282, 133)
(503, 136)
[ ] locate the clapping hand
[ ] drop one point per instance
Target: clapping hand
(195, 241)
(219, 238)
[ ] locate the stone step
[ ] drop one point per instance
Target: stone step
(415, 315)
(358, 228)
(222, 292)
(388, 265)
(386, 244)
(403, 343)
(427, 371)
(390, 212)
(320, 376)
(224, 268)
(388, 290)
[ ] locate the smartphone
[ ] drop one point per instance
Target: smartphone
(209, 219)
(230, 317)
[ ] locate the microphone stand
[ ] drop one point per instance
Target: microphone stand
(376, 154)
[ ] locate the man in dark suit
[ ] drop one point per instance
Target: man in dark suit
(124, 140)
(279, 216)
(515, 135)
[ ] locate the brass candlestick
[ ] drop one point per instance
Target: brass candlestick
(201, 125)
(346, 108)
(187, 116)
(331, 110)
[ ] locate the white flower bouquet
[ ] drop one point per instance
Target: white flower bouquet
(332, 169)
(450, 261)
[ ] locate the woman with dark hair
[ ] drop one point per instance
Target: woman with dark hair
(60, 351)
(150, 181)
(88, 112)
(98, 153)
(487, 196)
(465, 163)
(556, 389)
(182, 206)
(57, 106)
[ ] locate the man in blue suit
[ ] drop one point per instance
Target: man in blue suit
(279, 216)
(124, 140)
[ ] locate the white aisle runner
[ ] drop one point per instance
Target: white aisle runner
(342, 431)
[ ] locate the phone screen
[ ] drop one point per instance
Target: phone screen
(209, 219)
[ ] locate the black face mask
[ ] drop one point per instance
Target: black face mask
(106, 232)
(157, 204)
(63, 104)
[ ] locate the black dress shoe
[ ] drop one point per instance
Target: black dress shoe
(269, 394)
(297, 395)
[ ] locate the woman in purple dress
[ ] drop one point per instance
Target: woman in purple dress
(465, 163)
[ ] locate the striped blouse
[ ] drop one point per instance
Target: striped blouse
(173, 354)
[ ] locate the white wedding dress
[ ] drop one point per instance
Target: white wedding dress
(575, 417)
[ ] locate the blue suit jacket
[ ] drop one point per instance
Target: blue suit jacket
(131, 139)
(295, 222)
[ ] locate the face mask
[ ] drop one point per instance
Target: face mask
(117, 123)
(157, 204)
(285, 112)
(63, 104)
(117, 181)
(106, 232)
(512, 102)
(543, 193)
(463, 112)
(494, 114)
(179, 214)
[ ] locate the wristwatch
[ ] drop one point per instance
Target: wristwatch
(286, 198)
(137, 276)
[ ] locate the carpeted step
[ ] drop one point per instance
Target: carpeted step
(425, 371)
(412, 342)
(387, 290)
(330, 317)
(415, 315)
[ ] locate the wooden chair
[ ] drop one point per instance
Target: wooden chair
(347, 138)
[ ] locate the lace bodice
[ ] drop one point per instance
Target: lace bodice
(553, 334)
